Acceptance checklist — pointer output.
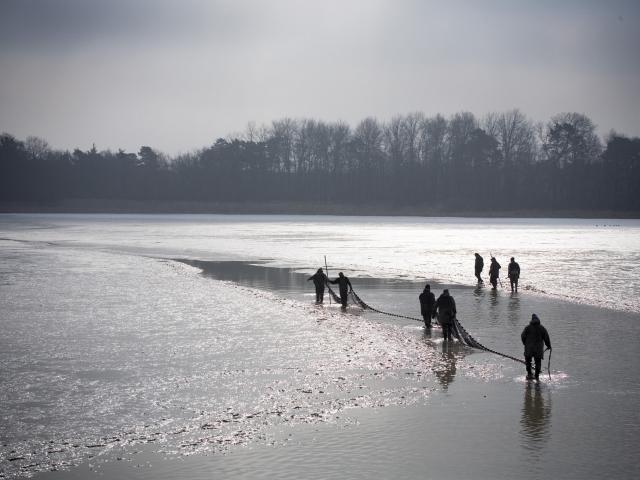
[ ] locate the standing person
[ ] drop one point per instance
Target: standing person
(513, 274)
(345, 287)
(446, 307)
(319, 280)
(478, 267)
(494, 272)
(534, 338)
(427, 305)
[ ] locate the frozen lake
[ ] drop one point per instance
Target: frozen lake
(114, 349)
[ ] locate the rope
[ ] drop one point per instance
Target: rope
(359, 301)
(459, 331)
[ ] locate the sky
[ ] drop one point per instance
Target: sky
(177, 75)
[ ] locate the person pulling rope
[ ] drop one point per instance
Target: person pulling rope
(458, 330)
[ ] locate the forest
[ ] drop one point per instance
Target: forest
(502, 162)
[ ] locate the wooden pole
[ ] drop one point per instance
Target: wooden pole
(327, 269)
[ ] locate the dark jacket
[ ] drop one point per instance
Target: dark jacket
(514, 270)
(319, 279)
(427, 302)
(534, 338)
(494, 268)
(344, 284)
(479, 263)
(446, 306)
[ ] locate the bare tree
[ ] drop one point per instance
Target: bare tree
(37, 147)
(368, 138)
(283, 133)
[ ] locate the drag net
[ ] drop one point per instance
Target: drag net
(458, 330)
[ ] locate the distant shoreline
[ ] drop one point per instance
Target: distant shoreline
(291, 208)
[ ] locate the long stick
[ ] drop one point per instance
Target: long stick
(327, 269)
(549, 364)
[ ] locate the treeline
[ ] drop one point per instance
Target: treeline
(502, 162)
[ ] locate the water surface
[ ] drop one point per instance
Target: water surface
(111, 346)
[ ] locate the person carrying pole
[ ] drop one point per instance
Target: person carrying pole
(494, 272)
(534, 337)
(319, 280)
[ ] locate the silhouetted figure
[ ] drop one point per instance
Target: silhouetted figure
(345, 287)
(494, 272)
(446, 307)
(427, 305)
(319, 280)
(479, 266)
(534, 338)
(513, 274)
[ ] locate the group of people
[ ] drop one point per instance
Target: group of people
(513, 272)
(444, 308)
(534, 336)
(320, 279)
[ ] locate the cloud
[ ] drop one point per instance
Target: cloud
(178, 74)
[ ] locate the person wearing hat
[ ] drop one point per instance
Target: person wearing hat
(446, 307)
(427, 305)
(513, 274)
(319, 280)
(534, 338)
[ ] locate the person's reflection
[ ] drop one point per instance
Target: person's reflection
(536, 417)
(446, 369)
(514, 309)
(493, 298)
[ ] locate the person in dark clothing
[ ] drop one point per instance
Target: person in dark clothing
(446, 307)
(427, 305)
(319, 280)
(479, 266)
(513, 274)
(534, 338)
(494, 272)
(345, 287)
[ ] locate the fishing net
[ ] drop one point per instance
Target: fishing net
(458, 330)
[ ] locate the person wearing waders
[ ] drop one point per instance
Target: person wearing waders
(446, 307)
(319, 280)
(513, 274)
(427, 305)
(478, 267)
(494, 272)
(534, 338)
(345, 287)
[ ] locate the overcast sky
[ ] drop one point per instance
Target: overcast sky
(176, 75)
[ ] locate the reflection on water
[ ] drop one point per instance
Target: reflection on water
(536, 418)
(446, 369)
(513, 309)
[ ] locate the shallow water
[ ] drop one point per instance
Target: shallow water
(589, 261)
(111, 347)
